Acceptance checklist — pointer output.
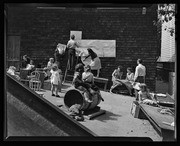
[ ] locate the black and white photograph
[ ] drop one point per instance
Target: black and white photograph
(90, 72)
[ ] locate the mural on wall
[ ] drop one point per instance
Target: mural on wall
(103, 48)
(77, 34)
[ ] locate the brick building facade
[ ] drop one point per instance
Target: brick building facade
(136, 37)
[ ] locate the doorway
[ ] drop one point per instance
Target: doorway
(13, 51)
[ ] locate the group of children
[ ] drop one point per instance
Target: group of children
(117, 76)
(84, 81)
(143, 94)
(84, 78)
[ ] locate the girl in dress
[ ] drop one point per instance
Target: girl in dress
(55, 80)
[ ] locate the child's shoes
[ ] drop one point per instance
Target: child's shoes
(57, 96)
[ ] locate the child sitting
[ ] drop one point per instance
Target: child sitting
(55, 80)
(87, 76)
(78, 83)
(12, 71)
(30, 66)
(144, 96)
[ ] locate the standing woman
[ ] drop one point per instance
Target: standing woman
(58, 55)
(116, 77)
(95, 62)
(71, 46)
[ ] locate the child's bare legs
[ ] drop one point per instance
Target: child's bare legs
(88, 97)
(56, 90)
(52, 89)
(59, 87)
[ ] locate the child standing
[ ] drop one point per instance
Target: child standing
(50, 63)
(55, 80)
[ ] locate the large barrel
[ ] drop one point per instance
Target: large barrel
(75, 96)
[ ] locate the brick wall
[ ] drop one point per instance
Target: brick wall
(135, 35)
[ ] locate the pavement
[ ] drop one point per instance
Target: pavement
(117, 121)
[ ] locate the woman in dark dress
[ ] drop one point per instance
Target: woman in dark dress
(25, 62)
(95, 62)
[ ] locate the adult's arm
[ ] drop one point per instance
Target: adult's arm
(68, 44)
(132, 77)
(136, 73)
(127, 77)
(98, 71)
(87, 57)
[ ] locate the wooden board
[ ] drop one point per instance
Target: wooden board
(101, 80)
(95, 114)
(152, 113)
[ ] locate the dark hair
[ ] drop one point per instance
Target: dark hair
(88, 67)
(130, 69)
(72, 37)
(139, 60)
(120, 67)
(92, 53)
(54, 67)
(79, 67)
(144, 86)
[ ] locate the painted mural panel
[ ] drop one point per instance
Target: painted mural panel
(77, 34)
(103, 48)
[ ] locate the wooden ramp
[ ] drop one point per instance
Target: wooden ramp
(157, 119)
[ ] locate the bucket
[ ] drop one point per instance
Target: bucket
(75, 96)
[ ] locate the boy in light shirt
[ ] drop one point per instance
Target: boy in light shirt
(87, 76)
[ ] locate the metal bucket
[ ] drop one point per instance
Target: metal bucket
(75, 96)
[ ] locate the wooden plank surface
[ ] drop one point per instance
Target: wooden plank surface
(159, 118)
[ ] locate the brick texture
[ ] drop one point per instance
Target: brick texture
(135, 34)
